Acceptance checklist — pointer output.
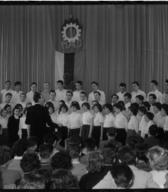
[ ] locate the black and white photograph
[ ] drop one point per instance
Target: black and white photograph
(83, 95)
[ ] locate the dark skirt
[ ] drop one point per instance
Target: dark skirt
(24, 134)
(62, 134)
(121, 135)
(74, 132)
(85, 132)
(96, 132)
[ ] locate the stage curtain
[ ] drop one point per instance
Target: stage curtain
(120, 43)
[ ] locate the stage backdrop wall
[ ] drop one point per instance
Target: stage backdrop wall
(121, 43)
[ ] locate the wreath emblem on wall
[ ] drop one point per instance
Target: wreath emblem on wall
(71, 33)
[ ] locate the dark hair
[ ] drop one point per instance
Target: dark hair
(20, 147)
(33, 83)
(128, 95)
(154, 82)
(108, 155)
(123, 175)
(149, 115)
(63, 179)
(122, 84)
(134, 108)
(153, 129)
(165, 108)
(142, 109)
(30, 162)
(8, 94)
(97, 92)
(115, 95)
(153, 96)
(90, 144)
(140, 97)
(79, 82)
(63, 106)
(95, 83)
(166, 80)
(60, 81)
(76, 105)
(136, 83)
(52, 91)
(146, 105)
(7, 81)
(36, 97)
(69, 91)
(108, 106)
(83, 92)
(45, 151)
(98, 106)
(61, 160)
(127, 155)
(5, 154)
(158, 105)
(6, 106)
(87, 105)
(17, 83)
(49, 104)
(119, 106)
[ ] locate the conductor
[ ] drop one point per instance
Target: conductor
(38, 118)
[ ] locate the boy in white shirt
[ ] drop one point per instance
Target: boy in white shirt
(46, 91)
(159, 120)
(95, 87)
(6, 90)
(122, 91)
(154, 90)
(83, 98)
(136, 91)
(60, 91)
(76, 93)
(127, 100)
(16, 92)
(68, 100)
(8, 98)
(22, 100)
(53, 100)
(30, 94)
(114, 99)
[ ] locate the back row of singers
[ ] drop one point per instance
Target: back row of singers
(17, 96)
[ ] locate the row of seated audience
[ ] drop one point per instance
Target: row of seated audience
(97, 145)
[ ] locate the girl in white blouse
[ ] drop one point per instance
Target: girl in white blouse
(108, 119)
(87, 120)
(120, 123)
(97, 130)
(3, 124)
(74, 120)
(133, 121)
(62, 120)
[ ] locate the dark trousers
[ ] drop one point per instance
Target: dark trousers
(62, 134)
(24, 134)
(121, 135)
(74, 132)
(96, 132)
(85, 132)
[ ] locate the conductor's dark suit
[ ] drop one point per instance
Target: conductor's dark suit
(38, 117)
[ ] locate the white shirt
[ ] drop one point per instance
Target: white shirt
(121, 96)
(158, 95)
(87, 118)
(74, 120)
(165, 127)
(16, 97)
(60, 94)
(145, 127)
(62, 119)
(22, 125)
(108, 121)
(159, 120)
(4, 122)
(133, 123)
(98, 119)
(139, 92)
(76, 95)
(120, 121)
(102, 97)
(4, 92)
(29, 97)
(127, 105)
(68, 103)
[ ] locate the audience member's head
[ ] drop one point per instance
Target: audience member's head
(63, 179)
(153, 130)
(123, 176)
(89, 146)
(158, 158)
(32, 144)
(45, 151)
(61, 160)
(30, 162)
